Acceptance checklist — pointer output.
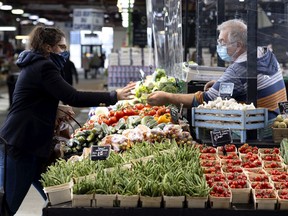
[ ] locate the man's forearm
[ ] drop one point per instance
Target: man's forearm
(177, 99)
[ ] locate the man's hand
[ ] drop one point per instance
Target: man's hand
(158, 98)
(209, 84)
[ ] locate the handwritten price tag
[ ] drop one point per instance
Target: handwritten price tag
(100, 152)
(226, 90)
(283, 107)
(174, 115)
(221, 137)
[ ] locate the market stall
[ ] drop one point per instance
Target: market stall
(152, 154)
(136, 159)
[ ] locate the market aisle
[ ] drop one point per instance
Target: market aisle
(33, 202)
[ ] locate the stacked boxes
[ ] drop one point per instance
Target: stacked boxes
(113, 59)
(125, 56)
(148, 57)
(119, 76)
(136, 56)
(125, 65)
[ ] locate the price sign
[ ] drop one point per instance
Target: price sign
(174, 115)
(100, 152)
(226, 90)
(283, 107)
(221, 137)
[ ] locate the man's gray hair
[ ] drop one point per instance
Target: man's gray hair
(237, 30)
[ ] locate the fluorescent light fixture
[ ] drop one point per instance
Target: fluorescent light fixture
(33, 17)
(49, 23)
(21, 37)
(17, 11)
(7, 28)
(25, 22)
(42, 20)
(26, 15)
(1, 4)
(6, 7)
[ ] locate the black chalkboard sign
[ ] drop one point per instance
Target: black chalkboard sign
(100, 152)
(226, 90)
(283, 107)
(174, 115)
(139, 28)
(221, 137)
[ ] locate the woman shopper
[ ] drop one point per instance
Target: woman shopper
(29, 126)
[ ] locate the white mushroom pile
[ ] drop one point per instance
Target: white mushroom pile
(226, 104)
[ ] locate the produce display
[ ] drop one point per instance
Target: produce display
(226, 104)
(152, 156)
(159, 81)
(281, 122)
(194, 170)
(124, 125)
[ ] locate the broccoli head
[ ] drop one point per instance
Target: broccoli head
(158, 74)
(168, 87)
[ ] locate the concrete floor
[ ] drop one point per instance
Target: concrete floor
(33, 202)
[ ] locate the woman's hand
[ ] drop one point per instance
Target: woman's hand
(125, 93)
(158, 98)
(64, 113)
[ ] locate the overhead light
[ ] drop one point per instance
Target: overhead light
(6, 7)
(7, 28)
(26, 15)
(21, 37)
(1, 4)
(42, 20)
(25, 22)
(33, 17)
(49, 23)
(17, 11)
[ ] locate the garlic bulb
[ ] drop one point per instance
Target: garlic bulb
(226, 104)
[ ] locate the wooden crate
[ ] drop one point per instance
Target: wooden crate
(238, 120)
(279, 134)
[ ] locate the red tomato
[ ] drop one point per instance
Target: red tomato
(139, 106)
(111, 113)
(152, 112)
(106, 121)
(161, 111)
(128, 112)
(112, 120)
(119, 114)
(145, 111)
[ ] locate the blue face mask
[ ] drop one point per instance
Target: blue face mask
(59, 59)
(65, 54)
(222, 52)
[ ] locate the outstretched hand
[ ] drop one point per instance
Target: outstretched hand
(125, 93)
(158, 98)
